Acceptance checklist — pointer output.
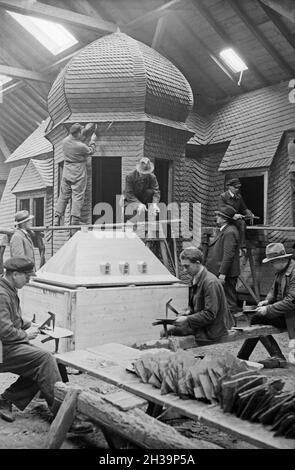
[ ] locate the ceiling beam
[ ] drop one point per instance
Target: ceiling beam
(227, 39)
(157, 12)
(59, 15)
(15, 72)
(3, 147)
(285, 8)
(275, 18)
(160, 31)
(236, 6)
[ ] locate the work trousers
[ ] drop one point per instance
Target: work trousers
(241, 225)
(75, 190)
(37, 370)
(145, 198)
(229, 287)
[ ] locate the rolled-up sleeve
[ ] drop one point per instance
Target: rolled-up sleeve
(8, 332)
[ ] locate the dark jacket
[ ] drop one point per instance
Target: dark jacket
(237, 202)
(136, 185)
(223, 252)
(21, 245)
(286, 306)
(12, 325)
(208, 306)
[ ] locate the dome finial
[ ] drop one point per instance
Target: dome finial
(118, 29)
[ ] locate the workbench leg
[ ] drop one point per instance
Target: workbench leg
(63, 372)
(247, 348)
(62, 421)
(154, 410)
(272, 346)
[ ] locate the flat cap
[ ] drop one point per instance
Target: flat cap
(76, 128)
(233, 182)
(21, 265)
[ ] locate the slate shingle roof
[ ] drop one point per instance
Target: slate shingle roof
(38, 174)
(117, 74)
(253, 123)
(36, 144)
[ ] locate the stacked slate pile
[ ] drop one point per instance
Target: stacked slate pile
(253, 397)
(245, 392)
(186, 375)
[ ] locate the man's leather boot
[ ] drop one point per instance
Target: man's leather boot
(6, 410)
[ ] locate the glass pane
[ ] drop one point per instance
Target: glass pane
(24, 205)
(38, 207)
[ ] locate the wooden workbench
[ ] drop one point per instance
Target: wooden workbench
(108, 362)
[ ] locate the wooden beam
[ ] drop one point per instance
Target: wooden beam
(15, 72)
(3, 147)
(58, 15)
(159, 31)
(157, 12)
(285, 8)
(275, 18)
(236, 6)
(227, 39)
(135, 424)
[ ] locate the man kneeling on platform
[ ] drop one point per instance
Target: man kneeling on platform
(207, 317)
(278, 309)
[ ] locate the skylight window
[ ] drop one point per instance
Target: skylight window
(53, 36)
(4, 79)
(231, 58)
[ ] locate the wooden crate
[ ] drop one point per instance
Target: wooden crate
(103, 315)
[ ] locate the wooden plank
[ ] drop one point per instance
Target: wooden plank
(275, 18)
(58, 15)
(63, 420)
(134, 425)
(285, 8)
(259, 36)
(209, 415)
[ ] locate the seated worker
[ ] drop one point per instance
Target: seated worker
(223, 258)
(207, 316)
(21, 243)
(141, 189)
(37, 368)
(278, 308)
(232, 197)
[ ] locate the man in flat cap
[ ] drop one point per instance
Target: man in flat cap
(37, 369)
(278, 308)
(21, 243)
(233, 198)
(141, 190)
(223, 256)
(77, 147)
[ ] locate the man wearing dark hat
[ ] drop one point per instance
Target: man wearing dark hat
(223, 255)
(233, 198)
(76, 149)
(141, 189)
(21, 243)
(278, 308)
(37, 369)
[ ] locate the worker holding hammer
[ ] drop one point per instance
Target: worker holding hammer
(77, 147)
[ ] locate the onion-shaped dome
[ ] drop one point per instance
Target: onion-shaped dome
(120, 79)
